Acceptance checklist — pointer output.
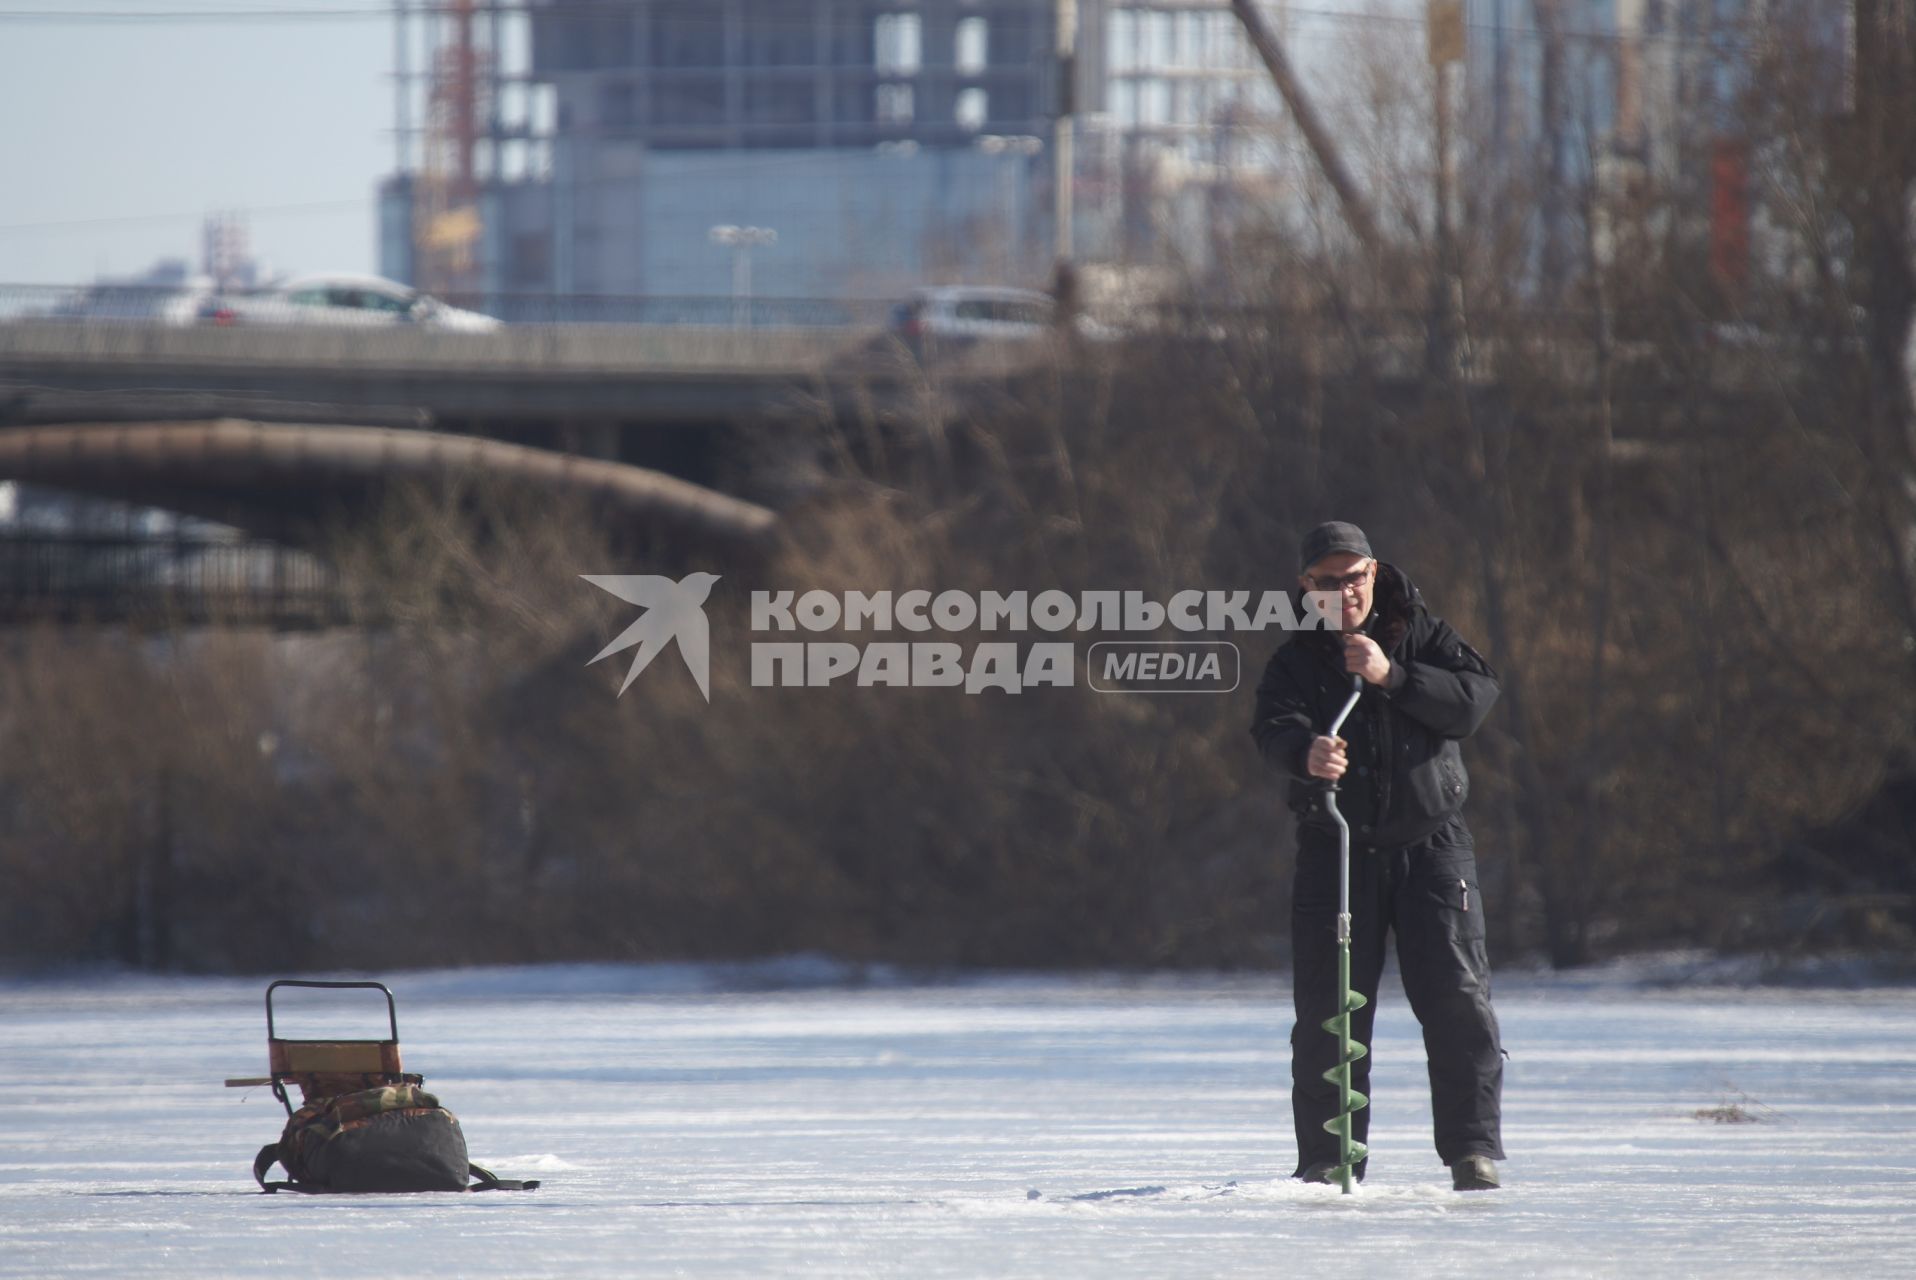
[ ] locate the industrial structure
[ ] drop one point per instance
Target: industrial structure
(568, 148)
(587, 147)
(1638, 102)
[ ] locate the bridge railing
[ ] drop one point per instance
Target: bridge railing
(75, 577)
(199, 303)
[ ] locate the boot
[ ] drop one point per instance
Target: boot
(1474, 1173)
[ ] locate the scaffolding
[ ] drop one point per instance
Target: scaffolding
(460, 97)
(522, 125)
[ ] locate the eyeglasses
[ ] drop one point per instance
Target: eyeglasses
(1349, 582)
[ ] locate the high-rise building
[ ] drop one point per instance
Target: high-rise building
(589, 146)
(781, 74)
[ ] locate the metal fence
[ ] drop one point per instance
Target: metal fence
(98, 577)
(201, 304)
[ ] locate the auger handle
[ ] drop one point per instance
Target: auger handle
(1350, 703)
(1343, 827)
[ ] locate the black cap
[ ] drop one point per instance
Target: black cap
(1332, 537)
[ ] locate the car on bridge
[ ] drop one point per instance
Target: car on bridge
(348, 301)
(955, 316)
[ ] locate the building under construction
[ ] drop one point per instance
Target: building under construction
(565, 148)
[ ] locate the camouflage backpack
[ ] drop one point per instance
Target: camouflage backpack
(393, 1138)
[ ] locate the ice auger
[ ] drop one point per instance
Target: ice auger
(1349, 1152)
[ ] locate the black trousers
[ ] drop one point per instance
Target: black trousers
(1426, 894)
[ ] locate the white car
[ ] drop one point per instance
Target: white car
(956, 315)
(967, 313)
(351, 301)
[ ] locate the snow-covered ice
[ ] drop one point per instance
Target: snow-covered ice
(779, 1122)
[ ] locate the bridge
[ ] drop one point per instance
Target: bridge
(648, 394)
(277, 430)
(628, 374)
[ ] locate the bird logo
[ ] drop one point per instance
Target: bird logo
(673, 611)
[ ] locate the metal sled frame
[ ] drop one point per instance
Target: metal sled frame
(325, 1068)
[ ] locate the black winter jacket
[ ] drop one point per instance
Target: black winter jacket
(1406, 775)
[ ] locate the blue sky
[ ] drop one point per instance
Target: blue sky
(111, 127)
(120, 136)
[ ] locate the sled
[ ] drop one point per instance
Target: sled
(363, 1124)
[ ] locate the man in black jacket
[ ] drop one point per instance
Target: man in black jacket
(1401, 786)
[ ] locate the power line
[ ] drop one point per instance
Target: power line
(137, 219)
(784, 158)
(104, 17)
(793, 157)
(483, 9)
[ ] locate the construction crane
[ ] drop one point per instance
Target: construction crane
(446, 221)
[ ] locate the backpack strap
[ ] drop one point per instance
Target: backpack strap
(269, 1156)
(486, 1180)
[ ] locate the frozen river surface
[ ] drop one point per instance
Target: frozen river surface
(749, 1123)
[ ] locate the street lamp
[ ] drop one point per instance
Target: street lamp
(741, 241)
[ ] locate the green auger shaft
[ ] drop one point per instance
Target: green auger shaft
(1349, 1151)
